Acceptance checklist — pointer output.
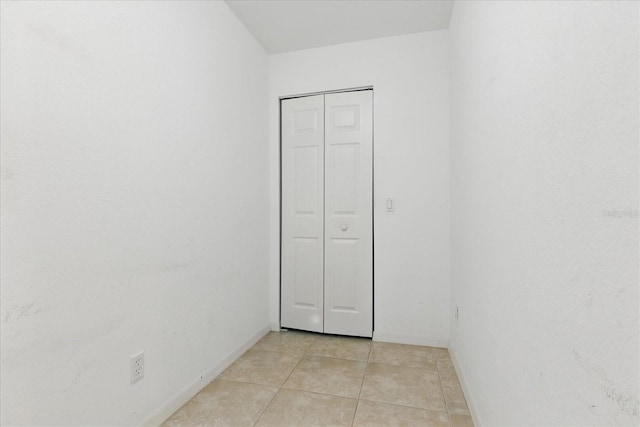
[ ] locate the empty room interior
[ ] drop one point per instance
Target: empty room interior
(319, 213)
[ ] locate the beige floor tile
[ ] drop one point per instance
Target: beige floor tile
(341, 347)
(384, 414)
(298, 408)
(224, 403)
(402, 385)
(460, 420)
(339, 377)
(453, 395)
(447, 371)
(192, 413)
(445, 363)
(437, 353)
(401, 355)
(262, 367)
(287, 342)
(321, 378)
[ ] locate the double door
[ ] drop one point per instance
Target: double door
(327, 213)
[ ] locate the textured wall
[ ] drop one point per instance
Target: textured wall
(410, 78)
(134, 200)
(544, 150)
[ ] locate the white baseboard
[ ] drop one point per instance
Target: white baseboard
(410, 339)
(275, 326)
(191, 390)
(473, 409)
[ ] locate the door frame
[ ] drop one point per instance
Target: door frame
(373, 199)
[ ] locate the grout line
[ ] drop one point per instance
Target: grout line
(364, 374)
(464, 398)
(285, 380)
(266, 407)
(294, 368)
(353, 420)
(407, 406)
(404, 366)
(443, 396)
(247, 382)
(336, 358)
(320, 393)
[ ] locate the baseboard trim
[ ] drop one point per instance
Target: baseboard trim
(275, 326)
(192, 389)
(410, 339)
(473, 409)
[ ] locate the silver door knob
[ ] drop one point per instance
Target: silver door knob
(344, 227)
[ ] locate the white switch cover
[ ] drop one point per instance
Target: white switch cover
(389, 204)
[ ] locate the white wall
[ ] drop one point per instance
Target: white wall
(134, 193)
(410, 76)
(544, 139)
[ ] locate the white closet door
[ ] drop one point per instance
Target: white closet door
(348, 274)
(302, 130)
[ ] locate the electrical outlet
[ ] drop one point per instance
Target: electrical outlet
(137, 367)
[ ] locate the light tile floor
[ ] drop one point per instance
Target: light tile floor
(305, 379)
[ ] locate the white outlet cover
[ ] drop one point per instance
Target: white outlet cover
(137, 367)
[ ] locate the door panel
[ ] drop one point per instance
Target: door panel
(305, 171)
(307, 271)
(343, 256)
(348, 281)
(343, 174)
(302, 213)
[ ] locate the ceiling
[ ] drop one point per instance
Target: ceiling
(287, 25)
